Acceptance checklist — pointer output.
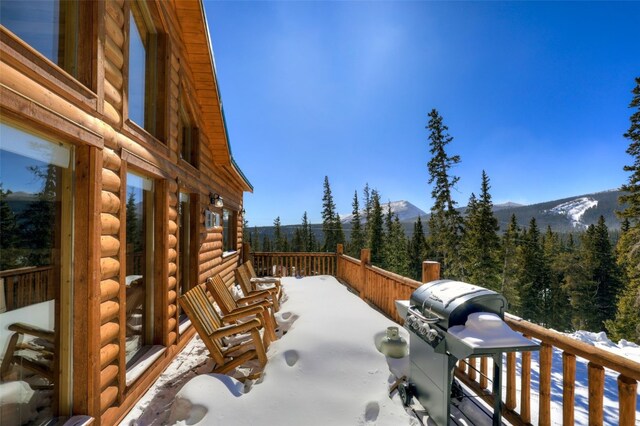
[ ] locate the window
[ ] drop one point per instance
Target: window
(229, 225)
(139, 279)
(36, 204)
(187, 229)
(53, 29)
(145, 103)
(187, 137)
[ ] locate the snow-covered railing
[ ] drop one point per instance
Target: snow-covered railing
(381, 288)
(294, 264)
(375, 285)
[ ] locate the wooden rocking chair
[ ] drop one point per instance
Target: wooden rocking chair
(208, 325)
(253, 277)
(228, 305)
(243, 278)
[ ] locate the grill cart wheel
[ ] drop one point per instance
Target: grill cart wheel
(406, 392)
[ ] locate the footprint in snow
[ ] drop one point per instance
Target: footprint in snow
(291, 357)
(371, 411)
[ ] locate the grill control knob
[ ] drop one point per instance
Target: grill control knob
(431, 335)
(423, 330)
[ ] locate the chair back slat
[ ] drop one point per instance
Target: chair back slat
(204, 318)
(221, 293)
(250, 269)
(244, 279)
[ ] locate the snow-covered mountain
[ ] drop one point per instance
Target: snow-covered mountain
(404, 209)
(574, 210)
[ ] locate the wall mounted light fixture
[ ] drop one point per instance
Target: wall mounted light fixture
(216, 200)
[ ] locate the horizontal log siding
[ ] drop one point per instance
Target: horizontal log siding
(114, 20)
(172, 258)
(110, 270)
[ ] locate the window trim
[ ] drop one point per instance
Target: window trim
(156, 117)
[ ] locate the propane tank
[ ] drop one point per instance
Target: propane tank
(393, 345)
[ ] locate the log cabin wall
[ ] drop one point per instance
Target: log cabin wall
(93, 115)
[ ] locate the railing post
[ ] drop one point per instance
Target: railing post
(627, 389)
(568, 388)
(596, 393)
(430, 271)
(339, 252)
(544, 409)
(246, 252)
(365, 259)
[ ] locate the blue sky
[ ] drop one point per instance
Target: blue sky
(536, 94)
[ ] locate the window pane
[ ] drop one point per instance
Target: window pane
(139, 218)
(184, 221)
(137, 69)
(34, 191)
(41, 24)
(228, 230)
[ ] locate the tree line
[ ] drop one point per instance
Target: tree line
(588, 280)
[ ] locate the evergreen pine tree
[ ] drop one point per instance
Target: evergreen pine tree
(557, 313)
(445, 223)
(509, 285)
(395, 249)
(417, 250)
(481, 244)
(279, 241)
(606, 275)
(266, 244)
(255, 237)
(368, 206)
(329, 225)
(533, 276)
(357, 234)
(297, 241)
(339, 233)
(8, 234)
(36, 221)
(376, 237)
(627, 321)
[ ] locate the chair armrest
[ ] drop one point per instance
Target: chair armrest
(265, 280)
(254, 297)
(235, 329)
(243, 312)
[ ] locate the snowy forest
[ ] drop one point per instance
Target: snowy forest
(587, 280)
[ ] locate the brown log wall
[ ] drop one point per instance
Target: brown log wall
(111, 301)
(97, 116)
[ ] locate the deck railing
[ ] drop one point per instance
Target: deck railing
(290, 264)
(381, 288)
(26, 286)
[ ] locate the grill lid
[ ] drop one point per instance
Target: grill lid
(448, 303)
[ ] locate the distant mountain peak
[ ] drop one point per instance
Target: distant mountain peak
(507, 205)
(404, 209)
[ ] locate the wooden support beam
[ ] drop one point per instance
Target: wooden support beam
(430, 271)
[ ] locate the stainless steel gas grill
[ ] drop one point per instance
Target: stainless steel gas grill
(448, 321)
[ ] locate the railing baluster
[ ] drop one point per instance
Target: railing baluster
(483, 372)
(568, 388)
(596, 393)
(472, 368)
(510, 403)
(525, 388)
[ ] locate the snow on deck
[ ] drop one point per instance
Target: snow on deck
(326, 370)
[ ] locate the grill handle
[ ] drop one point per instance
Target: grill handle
(429, 320)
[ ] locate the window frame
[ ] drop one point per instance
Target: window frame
(63, 268)
(76, 79)
(150, 226)
(186, 123)
(155, 99)
(229, 231)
